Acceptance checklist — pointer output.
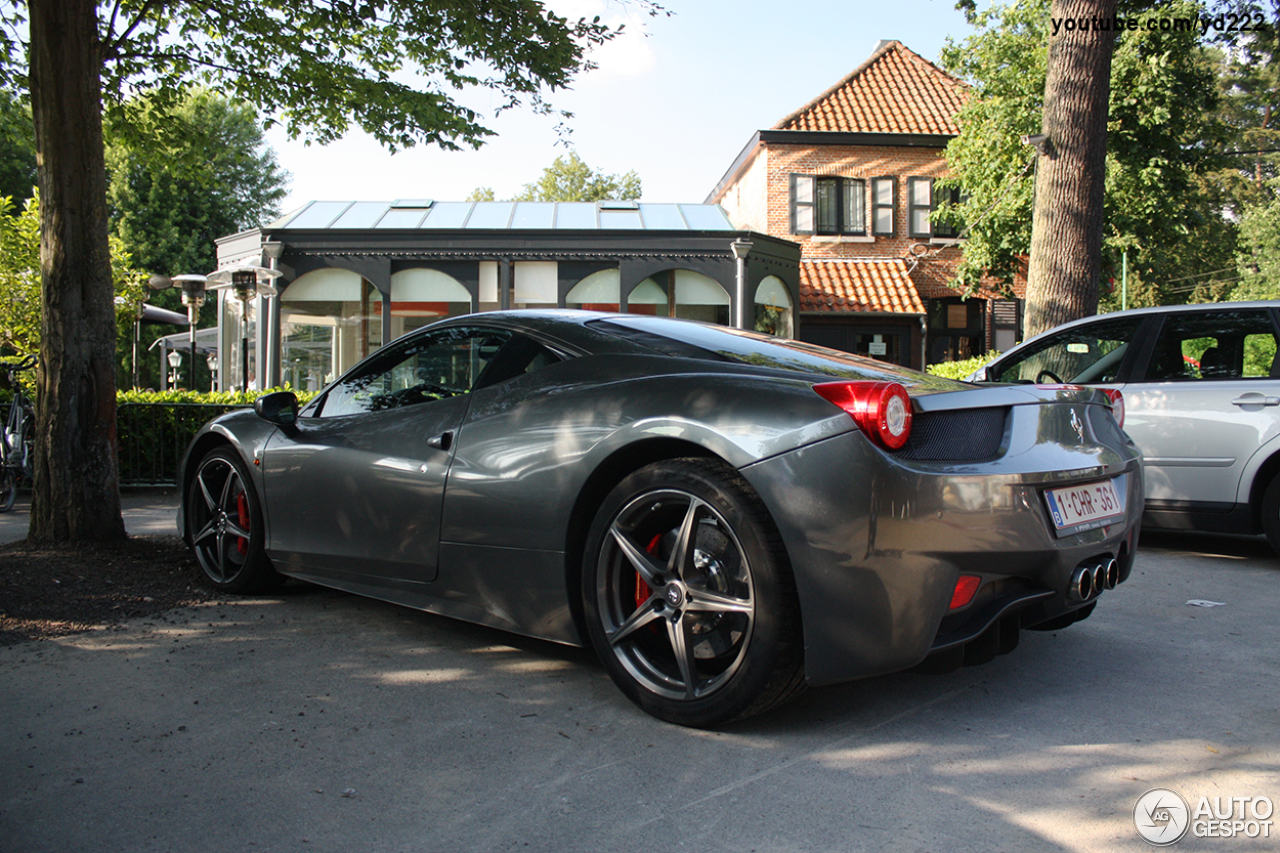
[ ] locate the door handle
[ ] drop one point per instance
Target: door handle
(443, 441)
(1255, 399)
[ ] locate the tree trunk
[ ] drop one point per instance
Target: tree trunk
(77, 495)
(1066, 226)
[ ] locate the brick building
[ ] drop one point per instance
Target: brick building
(850, 176)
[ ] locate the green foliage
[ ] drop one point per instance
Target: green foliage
(1161, 203)
(206, 172)
(394, 68)
(153, 428)
(17, 150)
(20, 280)
(1259, 259)
(961, 369)
(218, 398)
(571, 179)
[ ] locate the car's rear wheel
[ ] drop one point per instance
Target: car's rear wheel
(1271, 512)
(225, 522)
(689, 597)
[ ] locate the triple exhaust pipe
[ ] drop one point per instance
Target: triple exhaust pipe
(1089, 581)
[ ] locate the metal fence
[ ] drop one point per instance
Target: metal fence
(153, 436)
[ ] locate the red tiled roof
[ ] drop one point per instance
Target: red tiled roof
(843, 286)
(895, 91)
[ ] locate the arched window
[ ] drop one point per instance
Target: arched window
(773, 308)
(597, 292)
(422, 296)
(329, 319)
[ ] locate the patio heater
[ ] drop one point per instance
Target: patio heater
(247, 282)
(192, 297)
(193, 287)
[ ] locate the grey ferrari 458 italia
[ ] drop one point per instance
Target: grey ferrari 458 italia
(724, 517)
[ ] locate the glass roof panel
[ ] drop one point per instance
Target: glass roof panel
(447, 214)
(663, 217)
(319, 214)
(491, 214)
(576, 214)
(534, 214)
(402, 218)
(706, 217)
(361, 214)
(620, 219)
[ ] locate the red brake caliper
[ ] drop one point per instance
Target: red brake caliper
(242, 513)
(642, 588)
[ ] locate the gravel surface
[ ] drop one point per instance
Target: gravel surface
(55, 590)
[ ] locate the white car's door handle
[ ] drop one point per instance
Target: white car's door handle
(1255, 399)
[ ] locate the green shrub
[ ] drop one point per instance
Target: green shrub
(960, 369)
(153, 428)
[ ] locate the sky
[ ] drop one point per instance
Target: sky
(676, 99)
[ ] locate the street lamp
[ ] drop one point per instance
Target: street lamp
(175, 359)
(212, 360)
(246, 282)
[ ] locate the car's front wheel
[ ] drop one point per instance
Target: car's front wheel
(225, 523)
(689, 597)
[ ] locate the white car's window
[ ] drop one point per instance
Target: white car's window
(1090, 353)
(1239, 344)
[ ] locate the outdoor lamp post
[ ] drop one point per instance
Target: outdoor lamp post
(212, 360)
(175, 360)
(741, 248)
(246, 282)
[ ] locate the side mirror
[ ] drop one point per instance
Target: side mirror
(279, 408)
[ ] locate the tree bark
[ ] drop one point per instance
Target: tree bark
(1066, 226)
(77, 494)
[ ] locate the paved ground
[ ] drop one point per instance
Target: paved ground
(318, 721)
(146, 512)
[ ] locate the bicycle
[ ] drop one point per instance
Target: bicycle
(15, 438)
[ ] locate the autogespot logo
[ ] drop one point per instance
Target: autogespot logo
(1162, 817)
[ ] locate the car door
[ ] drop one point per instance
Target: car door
(356, 490)
(1203, 401)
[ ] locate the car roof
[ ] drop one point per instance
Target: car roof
(1199, 307)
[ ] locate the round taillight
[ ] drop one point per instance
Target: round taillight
(1117, 404)
(882, 410)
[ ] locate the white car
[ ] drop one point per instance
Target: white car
(1201, 393)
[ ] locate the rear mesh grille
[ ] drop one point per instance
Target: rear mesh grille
(964, 435)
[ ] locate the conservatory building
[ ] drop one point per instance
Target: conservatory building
(355, 275)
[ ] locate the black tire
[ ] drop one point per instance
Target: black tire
(1271, 512)
(689, 598)
(224, 520)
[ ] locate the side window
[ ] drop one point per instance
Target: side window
(433, 367)
(1238, 344)
(919, 206)
(1091, 353)
(883, 202)
(802, 204)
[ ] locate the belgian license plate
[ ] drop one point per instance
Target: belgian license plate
(1086, 506)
